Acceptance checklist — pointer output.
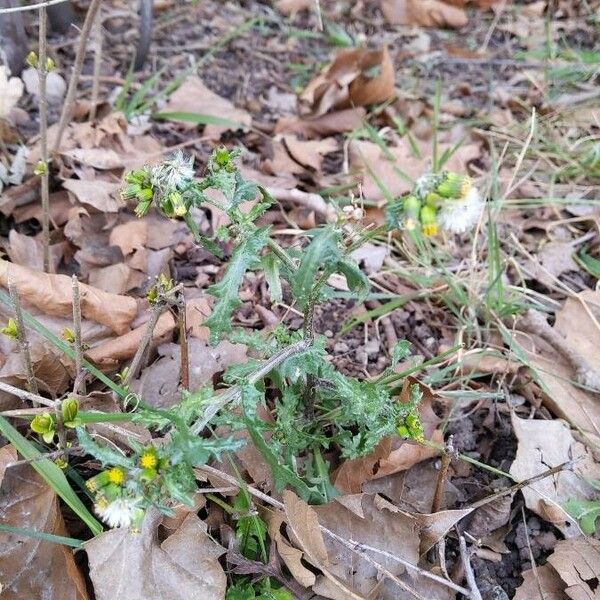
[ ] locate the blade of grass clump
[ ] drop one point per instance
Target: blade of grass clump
(51, 474)
(64, 347)
(197, 118)
(40, 535)
(589, 263)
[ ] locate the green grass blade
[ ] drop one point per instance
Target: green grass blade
(40, 535)
(51, 474)
(197, 118)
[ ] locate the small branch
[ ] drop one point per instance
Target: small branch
(234, 393)
(438, 495)
(138, 358)
(43, 110)
(60, 426)
(67, 111)
(22, 337)
(183, 343)
(97, 64)
(474, 594)
(79, 384)
(35, 399)
(14, 9)
(313, 202)
(282, 255)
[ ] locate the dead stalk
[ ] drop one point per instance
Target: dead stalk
(22, 338)
(67, 111)
(183, 344)
(469, 575)
(438, 495)
(97, 64)
(136, 363)
(79, 385)
(43, 110)
(35, 399)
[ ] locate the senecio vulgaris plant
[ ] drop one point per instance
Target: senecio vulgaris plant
(315, 408)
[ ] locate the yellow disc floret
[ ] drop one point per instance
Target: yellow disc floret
(148, 459)
(116, 475)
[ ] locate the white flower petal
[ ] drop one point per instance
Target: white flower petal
(456, 216)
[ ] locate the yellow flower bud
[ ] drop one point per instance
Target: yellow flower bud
(11, 330)
(32, 59)
(429, 221)
(44, 425)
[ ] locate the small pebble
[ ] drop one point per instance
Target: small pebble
(372, 348)
(328, 333)
(340, 347)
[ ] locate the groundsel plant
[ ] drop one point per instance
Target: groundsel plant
(316, 411)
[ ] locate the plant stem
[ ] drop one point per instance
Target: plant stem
(22, 338)
(79, 383)
(438, 494)
(282, 255)
(35, 399)
(67, 111)
(43, 111)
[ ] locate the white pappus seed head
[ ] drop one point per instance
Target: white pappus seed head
(121, 512)
(174, 173)
(457, 216)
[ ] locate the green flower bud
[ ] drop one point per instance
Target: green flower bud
(41, 168)
(69, 409)
(142, 208)
(44, 425)
(50, 66)
(11, 330)
(429, 221)
(176, 200)
(68, 335)
(32, 59)
(454, 186)
(147, 475)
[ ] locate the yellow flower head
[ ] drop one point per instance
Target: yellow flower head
(116, 475)
(148, 458)
(430, 229)
(429, 221)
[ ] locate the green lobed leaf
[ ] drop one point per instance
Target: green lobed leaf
(586, 512)
(270, 265)
(245, 256)
(105, 454)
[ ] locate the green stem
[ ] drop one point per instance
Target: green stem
(282, 255)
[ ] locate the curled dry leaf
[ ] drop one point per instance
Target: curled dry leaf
(357, 77)
(545, 580)
(309, 153)
(28, 251)
(102, 195)
(29, 567)
(329, 124)
(183, 567)
(547, 444)
(426, 13)
(52, 294)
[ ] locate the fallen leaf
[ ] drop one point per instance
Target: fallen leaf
(309, 153)
(28, 251)
(11, 90)
(291, 7)
(183, 567)
(547, 444)
(159, 383)
(56, 86)
(357, 77)
(99, 158)
(29, 567)
(329, 124)
(110, 352)
(192, 96)
(382, 177)
(102, 195)
(426, 13)
(130, 236)
(116, 279)
(197, 310)
(577, 562)
(554, 259)
(545, 580)
(52, 294)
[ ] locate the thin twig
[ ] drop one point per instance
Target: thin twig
(35, 399)
(79, 384)
(234, 393)
(67, 111)
(97, 65)
(136, 363)
(22, 337)
(14, 9)
(438, 494)
(183, 343)
(475, 594)
(43, 110)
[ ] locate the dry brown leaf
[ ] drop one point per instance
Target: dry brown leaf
(28, 251)
(392, 454)
(130, 236)
(369, 160)
(159, 383)
(547, 444)
(426, 13)
(110, 352)
(357, 77)
(99, 158)
(192, 96)
(329, 124)
(554, 259)
(102, 195)
(183, 567)
(309, 153)
(577, 321)
(291, 7)
(52, 294)
(197, 310)
(577, 562)
(32, 568)
(116, 279)
(544, 577)
(8, 455)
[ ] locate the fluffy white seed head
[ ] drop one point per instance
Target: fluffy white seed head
(121, 512)
(457, 216)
